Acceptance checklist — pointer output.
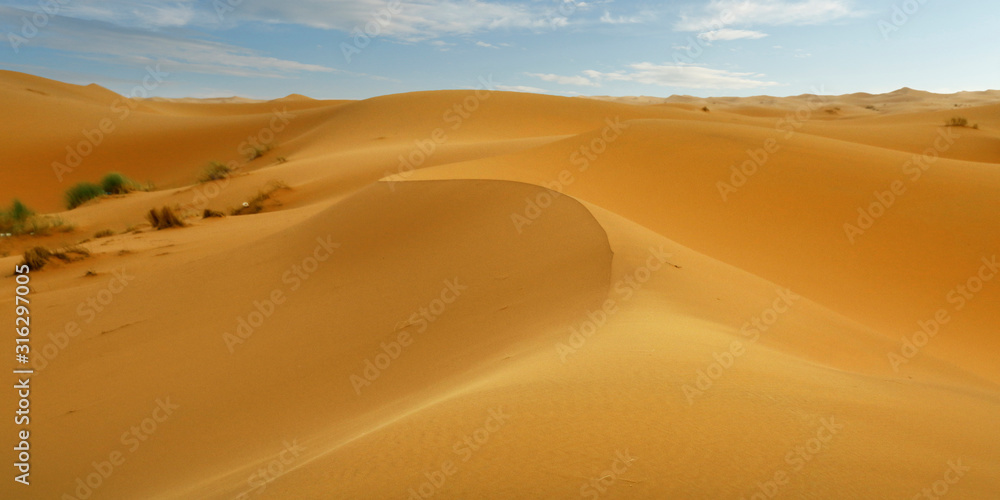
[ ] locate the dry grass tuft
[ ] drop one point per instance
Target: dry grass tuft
(165, 218)
(37, 257)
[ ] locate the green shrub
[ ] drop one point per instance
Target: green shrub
(115, 183)
(958, 121)
(215, 171)
(19, 212)
(81, 193)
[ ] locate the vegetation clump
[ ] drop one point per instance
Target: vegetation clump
(215, 171)
(81, 193)
(256, 204)
(19, 219)
(37, 257)
(165, 218)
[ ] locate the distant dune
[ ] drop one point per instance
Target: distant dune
(471, 294)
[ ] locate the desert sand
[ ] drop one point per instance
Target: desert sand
(478, 294)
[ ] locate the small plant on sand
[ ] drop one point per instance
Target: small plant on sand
(871, 107)
(215, 171)
(104, 233)
(207, 214)
(958, 121)
(257, 151)
(19, 219)
(163, 219)
(37, 257)
(115, 183)
(256, 204)
(81, 193)
(705, 109)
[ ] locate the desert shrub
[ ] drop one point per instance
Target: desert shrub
(211, 213)
(256, 204)
(81, 193)
(16, 220)
(37, 257)
(705, 109)
(19, 212)
(257, 151)
(958, 121)
(19, 219)
(215, 171)
(115, 183)
(163, 219)
(104, 233)
(871, 107)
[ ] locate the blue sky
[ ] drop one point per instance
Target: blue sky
(363, 48)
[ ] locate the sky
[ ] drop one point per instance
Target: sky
(364, 48)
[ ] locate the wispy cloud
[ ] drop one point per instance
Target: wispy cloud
(664, 75)
(521, 88)
(412, 21)
(727, 34)
(609, 19)
(719, 13)
(565, 80)
(109, 43)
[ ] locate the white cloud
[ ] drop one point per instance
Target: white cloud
(727, 34)
(564, 80)
(96, 40)
(487, 45)
(607, 18)
(521, 88)
(665, 75)
(720, 13)
(413, 20)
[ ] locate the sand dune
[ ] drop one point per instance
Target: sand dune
(470, 294)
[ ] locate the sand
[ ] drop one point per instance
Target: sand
(470, 294)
